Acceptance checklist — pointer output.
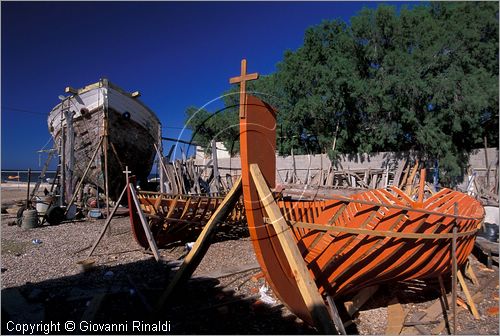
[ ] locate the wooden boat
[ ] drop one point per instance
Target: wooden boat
(99, 123)
(349, 243)
(178, 218)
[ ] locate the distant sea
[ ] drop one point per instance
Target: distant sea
(12, 175)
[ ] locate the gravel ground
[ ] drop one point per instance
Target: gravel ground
(212, 302)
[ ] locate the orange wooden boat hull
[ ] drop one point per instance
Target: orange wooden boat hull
(176, 218)
(357, 250)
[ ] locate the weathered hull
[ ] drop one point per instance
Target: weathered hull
(131, 128)
(349, 243)
(178, 218)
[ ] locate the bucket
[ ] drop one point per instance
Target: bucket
(42, 204)
(95, 213)
(30, 219)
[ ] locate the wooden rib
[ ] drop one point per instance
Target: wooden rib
(186, 207)
(374, 247)
(395, 270)
(346, 244)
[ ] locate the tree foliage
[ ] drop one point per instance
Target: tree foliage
(424, 79)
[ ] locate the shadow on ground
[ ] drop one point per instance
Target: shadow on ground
(127, 293)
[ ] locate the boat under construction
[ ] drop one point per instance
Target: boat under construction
(98, 131)
(345, 243)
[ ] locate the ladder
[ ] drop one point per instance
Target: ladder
(44, 171)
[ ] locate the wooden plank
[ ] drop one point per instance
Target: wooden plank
(411, 178)
(195, 255)
(421, 187)
(395, 318)
(307, 286)
(399, 171)
(145, 226)
(468, 296)
(360, 299)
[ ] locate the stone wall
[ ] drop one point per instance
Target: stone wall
(382, 160)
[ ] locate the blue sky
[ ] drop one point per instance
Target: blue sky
(177, 54)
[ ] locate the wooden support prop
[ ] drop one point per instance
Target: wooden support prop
(395, 318)
(162, 164)
(194, 257)
(443, 292)
(421, 188)
(116, 155)
(307, 286)
(84, 175)
(105, 148)
(454, 279)
(108, 221)
(411, 179)
(469, 272)
(468, 296)
(399, 171)
(215, 166)
(334, 314)
(443, 323)
(145, 226)
(360, 299)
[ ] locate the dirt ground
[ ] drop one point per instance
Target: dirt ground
(45, 282)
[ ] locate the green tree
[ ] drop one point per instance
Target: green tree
(425, 79)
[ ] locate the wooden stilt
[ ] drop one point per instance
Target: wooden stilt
(108, 221)
(468, 296)
(145, 226)
(105, 148)
(454, 279)
(334, 314)
(194, 257)
(443, 293)
(307, 286)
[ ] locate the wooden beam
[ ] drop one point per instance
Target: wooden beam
(443, 292)
(305, 282)
(360, 299)
(468, 296)
(145, 226)
(334, 314)
(469, 272)
(108, 221)
(196, 254)
(395, 318)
